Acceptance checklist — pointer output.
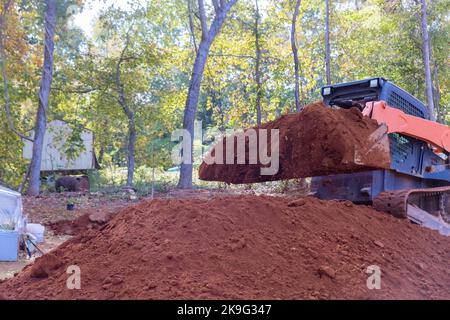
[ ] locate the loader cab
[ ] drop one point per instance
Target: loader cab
(353, 94)
(358, 93)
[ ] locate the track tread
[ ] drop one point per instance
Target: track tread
(396, 202)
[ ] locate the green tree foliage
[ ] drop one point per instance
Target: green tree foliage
(367, 38)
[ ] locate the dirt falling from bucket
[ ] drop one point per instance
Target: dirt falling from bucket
(317, 141)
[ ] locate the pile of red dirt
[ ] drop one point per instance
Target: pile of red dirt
(317, 141)
(243, 247)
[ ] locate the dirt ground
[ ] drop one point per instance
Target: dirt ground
(203, 245)
(50, 209)
(61, 225)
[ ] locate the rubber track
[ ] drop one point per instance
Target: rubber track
(396, 202)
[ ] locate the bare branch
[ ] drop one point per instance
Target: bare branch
(327, 43)
(258, 54)
(76, 90)
(191, 25)
(204, 23)
(119, 84)
(216, 5)
(295, 53)
(6, 7)
(245, 24)
(25, 179)
(426, 61)
(231, 55)
(135, 57)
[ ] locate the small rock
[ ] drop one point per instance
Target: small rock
(170, 256)
(348, 204)
(423, 292)
(107, 280)
(297, 203)
(379, 243)
(99, 217)
(151, 286)
(421, 265)
(117, 280)
(315, 294)
(327, 271)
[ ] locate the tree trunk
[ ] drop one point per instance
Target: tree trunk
(153, 182)
(131, 150)
(153, 171)
(258, 67)
(190, 110)
(101, 154)
(437, 94)
(426, 61)
(296, 61)
(327, 43)
(44, 93)
(130, 115)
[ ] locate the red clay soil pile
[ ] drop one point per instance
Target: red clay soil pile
(317, 141)
(243, 247)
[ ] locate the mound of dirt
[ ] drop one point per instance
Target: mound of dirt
(244, 247)
(317, 141)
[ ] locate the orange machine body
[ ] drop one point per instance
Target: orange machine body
(397, 121)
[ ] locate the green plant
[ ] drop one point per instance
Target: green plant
(7, 220)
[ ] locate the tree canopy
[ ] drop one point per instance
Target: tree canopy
(250, 67)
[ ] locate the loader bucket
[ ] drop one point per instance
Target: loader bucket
(317, 141)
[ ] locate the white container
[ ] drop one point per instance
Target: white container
(9, 245)
(36, 230)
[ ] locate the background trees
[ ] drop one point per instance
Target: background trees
(249, 75)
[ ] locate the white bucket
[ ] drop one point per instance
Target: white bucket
(36, 230)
